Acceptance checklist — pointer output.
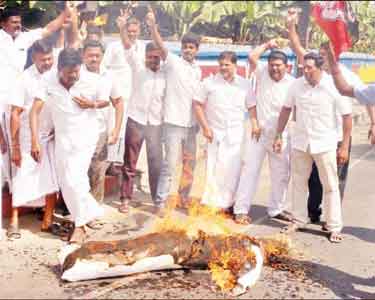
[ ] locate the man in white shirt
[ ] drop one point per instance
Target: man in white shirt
(13, 54)
(314, 139)
(145, 116)
(179, 129)
(92, 54)
(272, 85)
(220, 107)
(73, 98)
(315, 187)
(34, 183)
(115, 61)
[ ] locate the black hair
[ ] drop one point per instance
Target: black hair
(151, 46)
(69, 57)
(191, 38)
(10, 12)
(41, 46)
(318, 60)
(93, 29)
(232, 56)
(278, 54)
(92, 44)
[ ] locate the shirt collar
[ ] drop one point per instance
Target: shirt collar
(221, 78)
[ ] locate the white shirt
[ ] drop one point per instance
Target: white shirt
(22, 95)
(365, 94)
(13, 53)
(355, 80)
(109, 89)
(147, 93)
(270, 96)
(316, 107)
(225, 105)
(182, 82)
(114, 60)
(73, 125)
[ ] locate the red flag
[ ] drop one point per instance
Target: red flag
(333, 18)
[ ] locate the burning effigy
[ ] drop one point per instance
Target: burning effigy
(202, 240)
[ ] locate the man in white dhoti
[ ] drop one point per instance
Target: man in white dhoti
(92, 55)
(13, 54)
(272, 84)
(72, 97)
(220, 107)
(34, 183)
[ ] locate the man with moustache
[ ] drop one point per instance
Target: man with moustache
(73, 98)
(314, 139)
(220, 107)
(34, 183)
(264, 106)
(92, 55)
(144, 116)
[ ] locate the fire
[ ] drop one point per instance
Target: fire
(211, 220)
(224, 267)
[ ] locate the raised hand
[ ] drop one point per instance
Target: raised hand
(292, 18)
(150, 18)
(122, 18)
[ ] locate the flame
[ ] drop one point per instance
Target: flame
(211, 220)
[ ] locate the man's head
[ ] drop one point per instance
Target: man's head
(133, 28)
(312, 67)
(94, 33)
(69, 65)
(11, 21)
(42, 56)
(190, 46)
(277, 64)
(153, 57)
(92, 55)
(227, 64)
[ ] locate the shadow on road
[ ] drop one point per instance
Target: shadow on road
(339, 282)
(365, 234)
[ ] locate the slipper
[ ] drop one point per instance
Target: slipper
(13, 232)
(242, 219)
(57, 230)
(335, 237)
(290, 228)
(95, 225)
(124, 207)
(284, 216)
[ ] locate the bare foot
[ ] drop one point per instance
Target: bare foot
(78, 236)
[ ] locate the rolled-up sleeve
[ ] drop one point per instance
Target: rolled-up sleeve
(290, 101)
(365, 94)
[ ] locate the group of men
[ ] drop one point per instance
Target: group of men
(63, 118)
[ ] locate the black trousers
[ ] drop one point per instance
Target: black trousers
(316, 190)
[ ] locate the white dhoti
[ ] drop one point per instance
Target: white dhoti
(279, 168)
(72, 164)
(32, 181)
(223, 170)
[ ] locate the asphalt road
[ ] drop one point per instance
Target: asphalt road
(29, 268)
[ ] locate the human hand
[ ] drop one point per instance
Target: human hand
(255, 132)
(36, 152)
(277, 144)
(292, 17)
(150, 18)
(16, 155)
(208, 134)
(83, 102)
(113, 138)
(122, 18)
(342, 155)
